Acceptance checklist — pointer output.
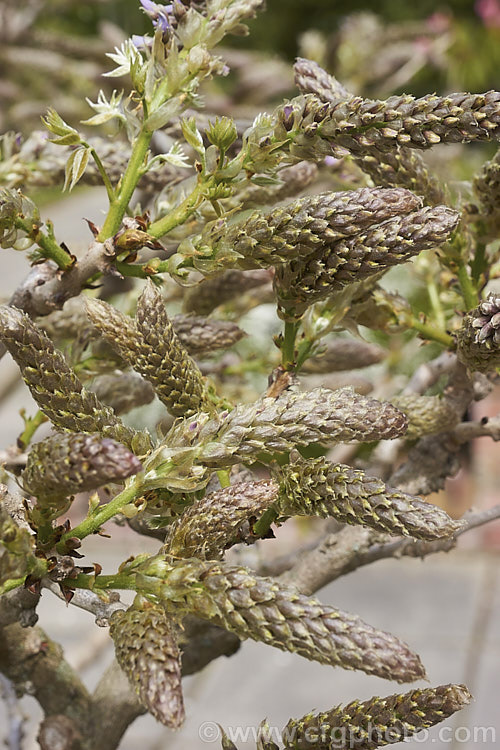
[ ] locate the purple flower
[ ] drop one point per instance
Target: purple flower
(158, 14)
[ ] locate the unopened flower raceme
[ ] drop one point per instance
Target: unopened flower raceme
(150, 345)
(478, 340)
(219, 520)
(311, 127)
(366, 725)
(487, 189)
(297, 229)
(319, 488)
(351, 260)
(264, 610)
(217, 290)
(147, 651)
(69, 463)
(291, 181)
(296, 419)
(54, 385)
(344, 354)
(427, 415)
(201, 336)
(397, 167)
(123, 391)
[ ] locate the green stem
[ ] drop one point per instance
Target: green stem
(180, 214)
(288, 345)
(30, 427)
(93, 523)
(303, 353)
(436, 302)
(224, 478)
(265, 522)
(118, 205)
(117, 581)
(430, 332)
(105, 178)
(49, 247)
(469, 291)
(13, 583)
(478, 264)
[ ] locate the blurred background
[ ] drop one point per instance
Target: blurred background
(52, 52)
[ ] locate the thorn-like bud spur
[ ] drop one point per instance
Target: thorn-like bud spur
(218, 290)
(366, 725)
(298, 419)
(70, 463)
(149, 344)
(319, 488)
(219, 520)
(147, 651)
(325, 271)
(54, 385)
(315, 223)
(264, 610)
(427, 415)
(344, 354)
(478, 339)
(202, 336)
(123, 391)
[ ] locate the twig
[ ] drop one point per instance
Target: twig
(429, 373)
(16, 719)
(487, 427)
(351, 548)
(90, 602)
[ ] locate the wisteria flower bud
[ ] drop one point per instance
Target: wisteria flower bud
(376, 722)
(70, 463)
(264, 610)
(147, 651)
(319, 488)
(478, 340)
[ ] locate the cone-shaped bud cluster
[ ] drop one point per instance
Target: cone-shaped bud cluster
(315, 223)
(427, 415)
(297, 419)
(376, 722)
(487, 188)
(344, 354)
(264, 610)
(149, 345)
(123, 391)
(54, 385)
(398, 167)
(400, 120)
(311, 78)
(70, 463)
(321, 273)
(217, 290)
(147, 651)
(319, 488)
(219, 520)
(479, 337)
(201, 336)
(290, 181)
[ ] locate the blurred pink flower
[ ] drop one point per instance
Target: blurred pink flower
(489, 12)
